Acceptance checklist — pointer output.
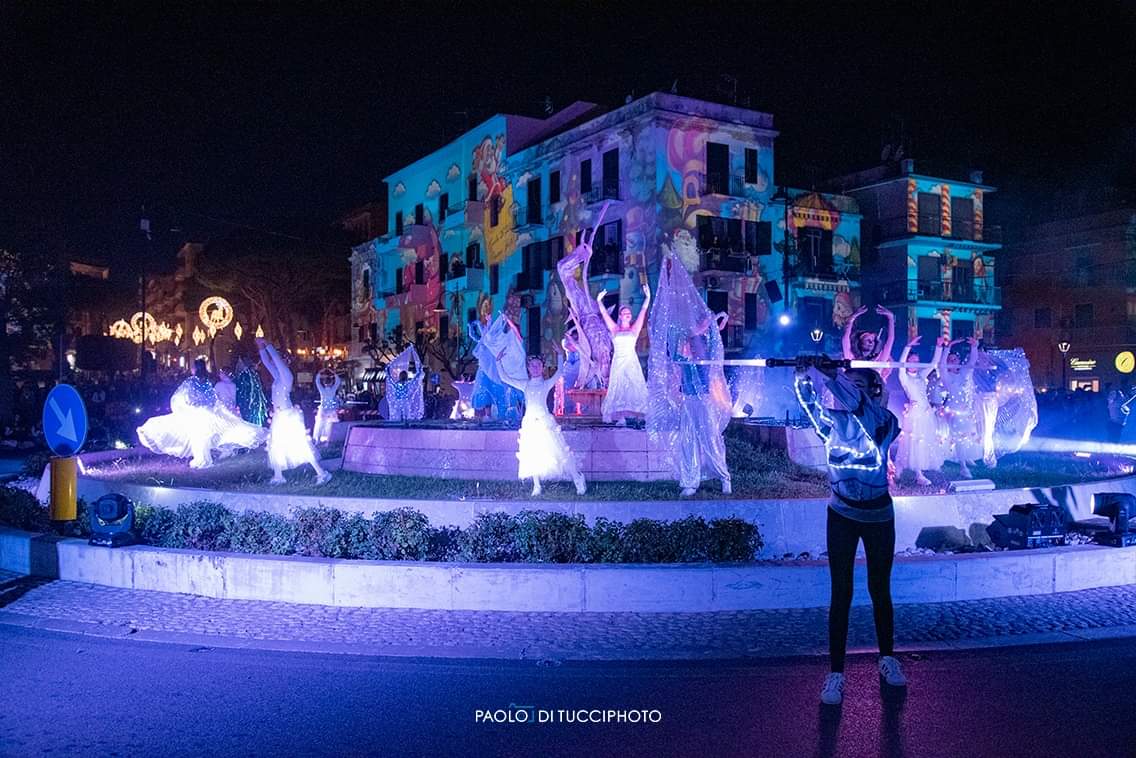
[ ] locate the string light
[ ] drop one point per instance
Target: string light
(872, 449)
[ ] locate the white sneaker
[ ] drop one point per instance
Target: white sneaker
(727, 489)
(323, 478)
(581, 485)
(832, 693)
(687, 492)
(891, 672)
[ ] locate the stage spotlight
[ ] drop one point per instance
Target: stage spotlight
(784, 319)
(112, 519)
(1119, 508)
(1028, 526)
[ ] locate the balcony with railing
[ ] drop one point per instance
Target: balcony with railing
(461, 277)
(937, 291)
(526, 215)
(725, 262)
(963, 231)
(839, 268)
(606, 262)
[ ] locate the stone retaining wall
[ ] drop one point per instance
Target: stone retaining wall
(556, 587)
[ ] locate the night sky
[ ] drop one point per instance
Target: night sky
(263, 115)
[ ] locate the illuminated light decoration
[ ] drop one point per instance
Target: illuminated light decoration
(945, 206)
(259, 332)
(1063, 347)
(1083, 364)
(198, 335)
(912, 207)
(178, 334)
(817, 334)
(215, 313)
(238, 330)
(978, 215)
(1125, 362)
(784, 319)
(871, 449)
(121, 329)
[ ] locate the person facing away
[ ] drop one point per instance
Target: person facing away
(857, 436)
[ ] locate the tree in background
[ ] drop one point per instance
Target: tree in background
(32, 307)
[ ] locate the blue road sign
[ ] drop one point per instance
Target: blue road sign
(64, 420)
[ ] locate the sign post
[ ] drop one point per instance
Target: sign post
(65, 429)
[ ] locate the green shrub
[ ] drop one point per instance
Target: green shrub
(548, 537)
(400, 535)
(203, 525)
(263, 534)
(445, 544)
(605, 542)
(734, 539)
(490, 539)
(645, 541)
(35, 463)
(688, 540)
(19, 509)
(318, 531)
(159, 527)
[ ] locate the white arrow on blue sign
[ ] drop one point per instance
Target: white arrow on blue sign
(64, 420)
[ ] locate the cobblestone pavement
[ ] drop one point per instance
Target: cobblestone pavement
(158, 615)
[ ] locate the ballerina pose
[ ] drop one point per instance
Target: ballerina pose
(328, 411)
(689, 403)
(198, 423)
(626, 389)
(869, 346)
(289, 445)
(542, 452)
(965, 443)
(920, 445)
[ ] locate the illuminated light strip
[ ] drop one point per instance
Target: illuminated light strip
(873, 448)
(912, 208)
(945, 207)
(761, 363)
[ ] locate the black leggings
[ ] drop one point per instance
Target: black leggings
(879, 547)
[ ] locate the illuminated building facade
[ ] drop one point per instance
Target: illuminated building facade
(1072, 283)
(928, 253)
(478, 226)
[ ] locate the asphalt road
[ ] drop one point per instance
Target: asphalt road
(78, 695)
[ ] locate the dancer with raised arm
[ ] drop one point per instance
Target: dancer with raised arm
(869, 346)
(856, 438)
(964, 442)
(920, 445)
(626, 388)
(328, 411)
(289, 445)
(542, 452)
(198, 424)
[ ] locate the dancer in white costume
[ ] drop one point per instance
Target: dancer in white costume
(226, 391)
(542, 452)
(626, 389)
(198, 424)
(689, 404)
(328, 411)
(920, 446)
(964, 443)
(289, 445)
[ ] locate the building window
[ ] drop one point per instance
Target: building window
(751, 311)
(1083, 316)
(1004, 323)
(470, 315)
(494, 279)
(814, 250)
(962, 218)
(473, 255)
(1083, 273)
(751, 165)
(398, 282)
(532, 213)
(444, 326)
(471, 189)
(611, 174)
(554, 187)
(930, 214)
(419, 214)
(585, 176)
(1042, 318)
(717, 169)
(398, 223)
(420, 272)
(495, 211)
(443, 205)
(607, 250)
(533, 331)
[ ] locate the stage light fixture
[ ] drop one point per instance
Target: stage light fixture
(112, 519)
(1119, 508)
(1028, 526)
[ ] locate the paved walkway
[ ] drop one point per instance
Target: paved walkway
(105, 611)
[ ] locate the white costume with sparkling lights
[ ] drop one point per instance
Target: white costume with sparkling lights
(542, 452)
(328, 411)
(198, 424)
(920, 444)
(289, 445)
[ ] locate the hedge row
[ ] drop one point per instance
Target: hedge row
(406, 534)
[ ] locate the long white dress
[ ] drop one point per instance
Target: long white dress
(198, 424)
(965, 443)
(920, 445)
(626, 387)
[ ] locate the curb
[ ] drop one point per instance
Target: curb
(556, 588)
(538, 656)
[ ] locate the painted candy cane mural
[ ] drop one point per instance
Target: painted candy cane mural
(594, 338)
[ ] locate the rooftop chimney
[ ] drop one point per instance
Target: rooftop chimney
(976, 177)
(907, 165)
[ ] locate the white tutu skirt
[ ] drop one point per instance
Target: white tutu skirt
(541, 449)
(196, 431)
(965, 437)
(321, 432)
(289, 445)
(626, 388)
(920, 445)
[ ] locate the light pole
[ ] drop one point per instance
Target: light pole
(1063, 346)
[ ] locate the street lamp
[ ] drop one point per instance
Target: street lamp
(782, 194)
(1063, 346)
(817, 334)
